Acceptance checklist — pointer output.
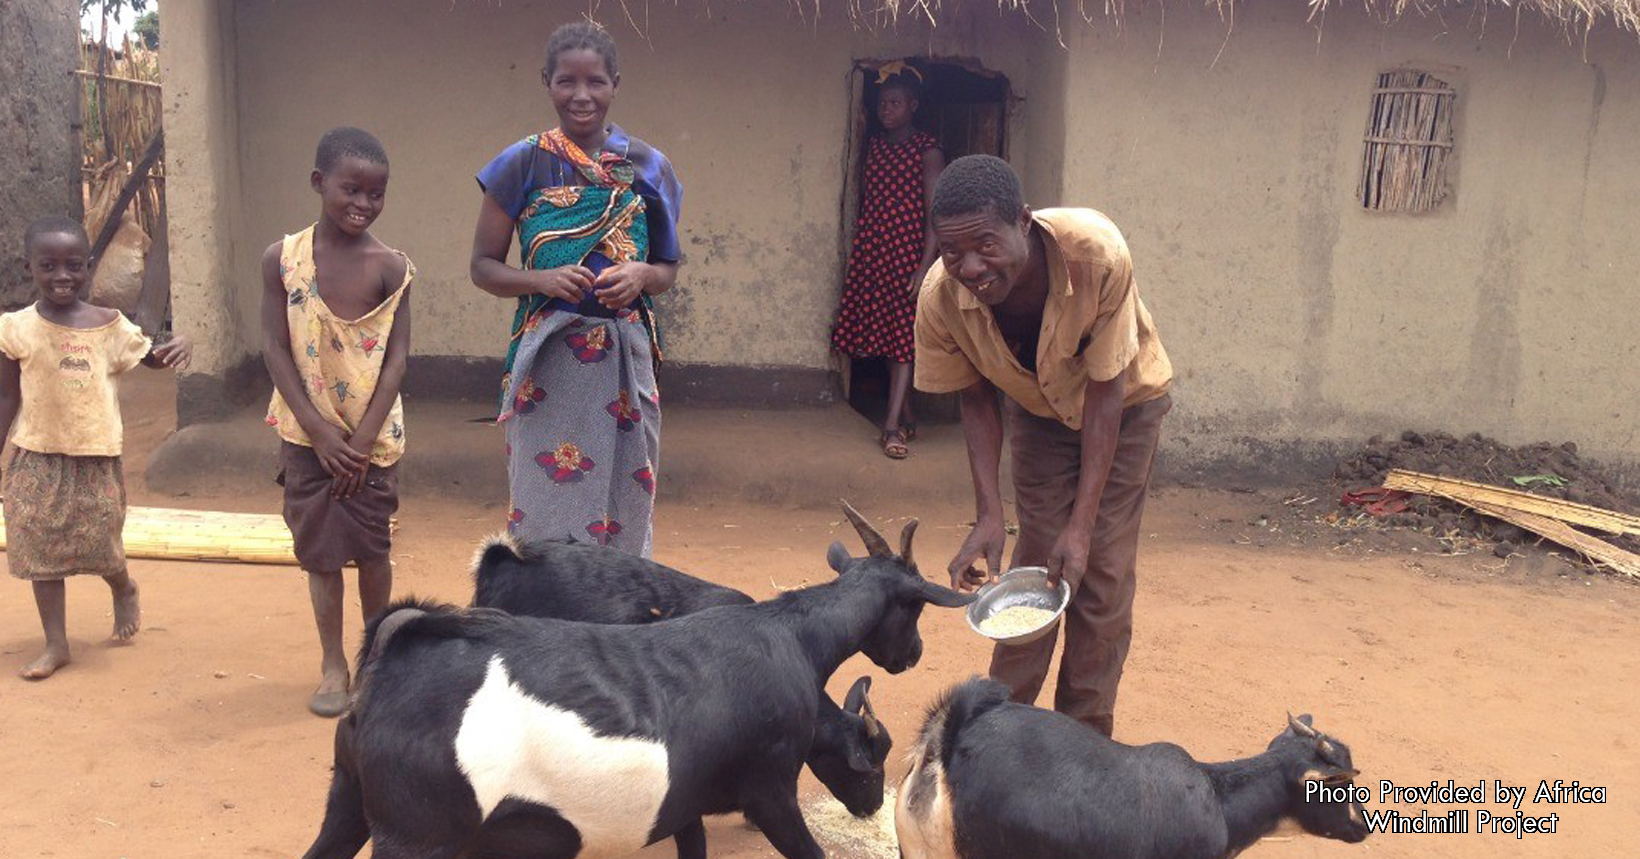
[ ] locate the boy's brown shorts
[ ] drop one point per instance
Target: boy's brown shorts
(329, 531)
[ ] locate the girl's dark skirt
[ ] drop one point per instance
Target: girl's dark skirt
(330, 532)
(65, 515)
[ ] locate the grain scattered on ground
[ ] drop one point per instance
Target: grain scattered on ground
(850, 837)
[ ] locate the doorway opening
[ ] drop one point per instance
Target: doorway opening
(965, 107)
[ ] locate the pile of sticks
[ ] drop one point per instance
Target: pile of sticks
(1546, 517)
(203, 535)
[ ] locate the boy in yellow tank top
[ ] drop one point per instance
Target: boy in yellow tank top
(335, 338)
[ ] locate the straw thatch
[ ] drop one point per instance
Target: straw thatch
(1579, 16)
(1573, 15)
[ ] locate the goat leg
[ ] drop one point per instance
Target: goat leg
(778, 815)
(691, 840)
(345, 828)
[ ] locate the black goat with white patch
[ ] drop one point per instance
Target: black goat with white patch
(595, 584)
(475, 733)
(992, 779)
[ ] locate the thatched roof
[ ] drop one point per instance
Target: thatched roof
(1574, 15)
(1579, 16)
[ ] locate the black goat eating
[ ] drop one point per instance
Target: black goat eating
(477, 733)
(992, 779)
(595, 584)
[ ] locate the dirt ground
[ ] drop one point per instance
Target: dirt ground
(194, 740)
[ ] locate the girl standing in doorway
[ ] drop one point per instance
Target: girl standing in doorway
(893, 248)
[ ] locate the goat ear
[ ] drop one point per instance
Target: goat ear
(876, 546)
(905, 545)
(941, 596)
(854, 701)
(837, 556)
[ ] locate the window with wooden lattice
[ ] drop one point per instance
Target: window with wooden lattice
(1408, 144)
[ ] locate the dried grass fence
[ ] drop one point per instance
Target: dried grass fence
(120, 118)
(1408, 143)
(122, 161)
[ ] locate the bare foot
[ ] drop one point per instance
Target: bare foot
(330, 699)
(127, 614)
(46, 665)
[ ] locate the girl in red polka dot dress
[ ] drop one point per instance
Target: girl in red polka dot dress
(893, 248)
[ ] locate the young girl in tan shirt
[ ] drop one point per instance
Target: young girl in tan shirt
(64, 486)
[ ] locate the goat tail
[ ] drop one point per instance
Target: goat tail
(971, 700)
(931, 755)
(494, 550)
(345, 828)
(413, 617)
(379, 629)
(955, 710)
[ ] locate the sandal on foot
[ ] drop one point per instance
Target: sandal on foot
(893, 442)
(909, 430)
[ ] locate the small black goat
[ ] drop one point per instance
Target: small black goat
(595, 584)
(992, 779)
(477, 733)
(588, 583)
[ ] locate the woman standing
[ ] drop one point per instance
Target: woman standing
(596, 212)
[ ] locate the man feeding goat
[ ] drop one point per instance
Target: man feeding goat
(482, 734)
(992, 779)
(589, 583)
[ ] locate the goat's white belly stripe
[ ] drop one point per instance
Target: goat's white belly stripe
(513, 745)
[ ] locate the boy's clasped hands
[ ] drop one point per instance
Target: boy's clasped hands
(345, 459)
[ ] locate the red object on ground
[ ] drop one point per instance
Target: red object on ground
(1377, 500)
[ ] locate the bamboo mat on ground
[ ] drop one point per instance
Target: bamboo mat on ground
(203, 535)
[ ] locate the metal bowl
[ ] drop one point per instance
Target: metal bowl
(1026, 586)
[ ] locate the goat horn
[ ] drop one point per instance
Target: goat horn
(873, 727)
(1300, 728)
(876, 546)
(905, 544)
